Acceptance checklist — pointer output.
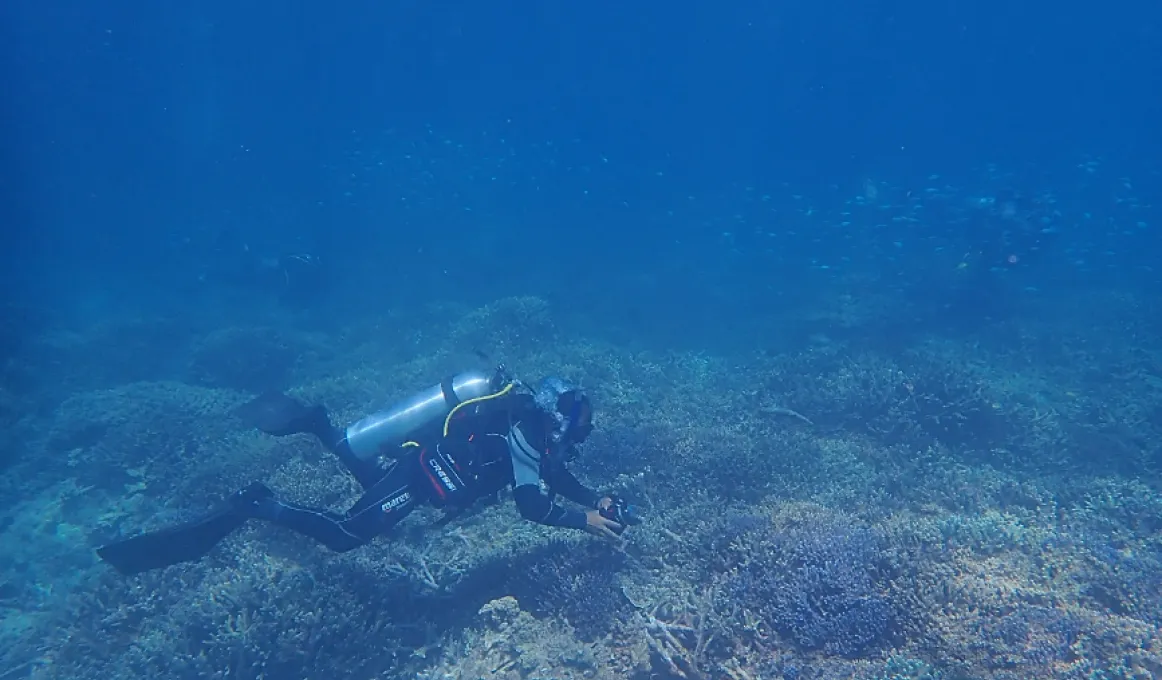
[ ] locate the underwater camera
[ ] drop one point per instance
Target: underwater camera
(622, 512)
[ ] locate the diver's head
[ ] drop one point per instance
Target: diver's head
(568, 409)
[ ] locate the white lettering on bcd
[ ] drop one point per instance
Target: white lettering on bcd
(396, 502)
(448, 483)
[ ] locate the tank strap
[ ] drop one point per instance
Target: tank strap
(449, 391)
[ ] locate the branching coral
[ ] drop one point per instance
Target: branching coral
(510, 328)
(731, 575)
(247, 359)
(511, 645)
(577, 582)
(920, 399)
(817, 582)
(686, 635)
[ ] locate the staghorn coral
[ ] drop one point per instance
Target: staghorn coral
(920, 399)
(817, 583)
(1003, 571)
(1035, 635)
(512, 328)
(1125, 579)
(511, 645)
(247, 359)
(576, 582)
(262, 617)
(166, 437)
(904, 668)
(141, 418)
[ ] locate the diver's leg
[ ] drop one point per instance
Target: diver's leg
(367, 472)
(280, 415)
(383, 506)
(321, 525)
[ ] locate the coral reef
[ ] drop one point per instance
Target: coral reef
(578, 583)
(916, 513)
(512, 645)
(248, 359)
(815, 582)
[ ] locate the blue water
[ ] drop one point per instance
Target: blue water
(709, 178)
(156, 139)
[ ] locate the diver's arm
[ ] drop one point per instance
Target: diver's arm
(534, 505)
(562, 481)
(537, 507)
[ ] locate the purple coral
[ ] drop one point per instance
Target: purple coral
(578, 583)
(817, 583)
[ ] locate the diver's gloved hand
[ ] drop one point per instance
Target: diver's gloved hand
(598, 524)
(619, 511)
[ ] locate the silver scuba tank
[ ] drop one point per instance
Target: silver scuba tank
(388, 429)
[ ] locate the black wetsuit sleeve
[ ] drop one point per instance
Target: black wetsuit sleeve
(561, 481)
(537, 507)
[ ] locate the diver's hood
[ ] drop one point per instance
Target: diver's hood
(568, 406)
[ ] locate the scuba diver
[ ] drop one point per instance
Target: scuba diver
(229, 260)
(468, 437)
(1012, 230)
(1003, 236)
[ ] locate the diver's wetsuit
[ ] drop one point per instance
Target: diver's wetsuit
(482, 453)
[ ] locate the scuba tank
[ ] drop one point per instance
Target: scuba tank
(390, 428)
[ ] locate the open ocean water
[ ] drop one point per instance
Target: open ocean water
(867, 297)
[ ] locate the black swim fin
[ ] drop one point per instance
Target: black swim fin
(278, 414)
(189, 541)
(180, 543)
